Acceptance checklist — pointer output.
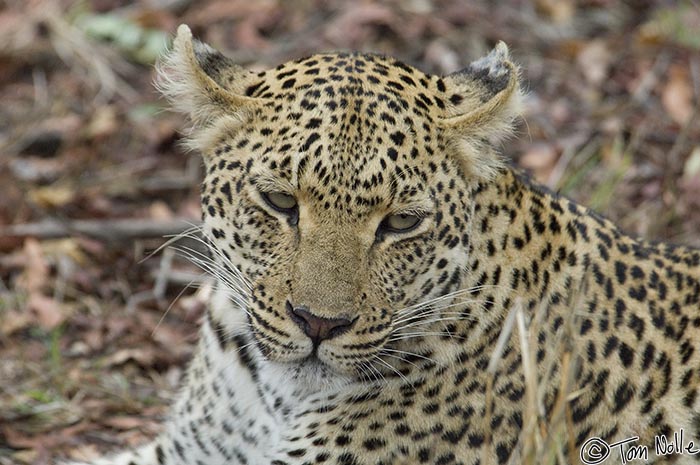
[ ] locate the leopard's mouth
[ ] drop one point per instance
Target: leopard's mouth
(315, 347)
(319, 361)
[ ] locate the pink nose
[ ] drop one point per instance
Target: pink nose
(316, 327)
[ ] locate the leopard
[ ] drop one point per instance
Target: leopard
(391, 290)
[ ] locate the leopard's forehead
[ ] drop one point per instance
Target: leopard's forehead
(343, 77)
(355, 131)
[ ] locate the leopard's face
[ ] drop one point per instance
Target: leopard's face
(339, 195)
(329, 202)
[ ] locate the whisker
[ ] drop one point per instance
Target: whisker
(206, 258)
(404, 336)
(410, 354)
(383, 362)
(189, 285)
(208, 244)
(213, 269)
(398, 358)
(435, 316)
(430, 310)
(172, 238)
(449, 295)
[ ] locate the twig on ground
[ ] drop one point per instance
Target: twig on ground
(112, 230)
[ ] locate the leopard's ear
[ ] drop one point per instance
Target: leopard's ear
(201, 82)
(484, 100)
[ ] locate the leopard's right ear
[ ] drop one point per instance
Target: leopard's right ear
(203, 83)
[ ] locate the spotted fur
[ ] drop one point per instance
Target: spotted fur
(354, 139)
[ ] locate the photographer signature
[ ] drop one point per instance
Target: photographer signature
(595, 450)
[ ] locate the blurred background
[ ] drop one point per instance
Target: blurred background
(94, 332)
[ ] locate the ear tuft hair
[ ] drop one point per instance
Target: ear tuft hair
(485, 99)
(201, 82)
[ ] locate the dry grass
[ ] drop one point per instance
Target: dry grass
(545, 440)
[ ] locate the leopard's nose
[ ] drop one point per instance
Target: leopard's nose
(317, 328)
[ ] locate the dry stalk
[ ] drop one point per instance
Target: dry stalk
(496, 356)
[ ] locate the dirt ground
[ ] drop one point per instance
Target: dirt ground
(95, 329)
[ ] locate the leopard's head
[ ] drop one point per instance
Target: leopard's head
(337, 195)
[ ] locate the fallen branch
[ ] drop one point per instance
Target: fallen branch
(111, 230)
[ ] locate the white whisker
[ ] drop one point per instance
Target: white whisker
(383, 362)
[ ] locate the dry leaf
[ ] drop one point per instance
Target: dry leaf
(172, 341)
(53, 196)
(691, 168)
(247, 34)
(540, 159)
(442, 56)
(123, 422)
(213, 11)
(677, 95)
(559, 11)
(48, 312)
(68, 247)
(103, 123)
(17, 439)
(36, 269)
(160, 210)
(690, 183)
(87, 453)
(350, 27)
(143, 357)
(14, 321)
(594, 61)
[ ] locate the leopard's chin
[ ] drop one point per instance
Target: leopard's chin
(311, 375)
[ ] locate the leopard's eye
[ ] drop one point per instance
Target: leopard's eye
(281, 202)
(400, 223)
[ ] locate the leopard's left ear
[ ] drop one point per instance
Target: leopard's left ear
(201, 82)
(485, 99)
